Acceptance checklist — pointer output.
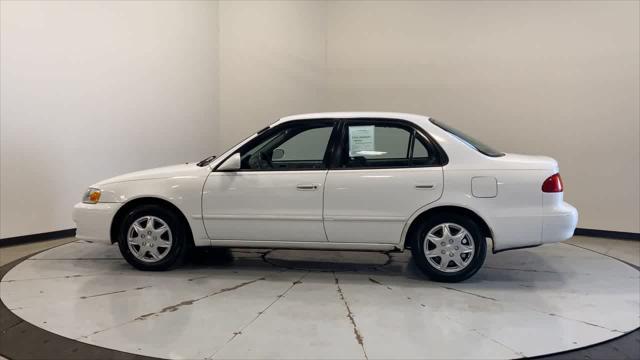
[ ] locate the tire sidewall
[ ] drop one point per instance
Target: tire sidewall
(438, 275)
(178, 247)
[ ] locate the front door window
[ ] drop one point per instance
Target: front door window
(296, 147)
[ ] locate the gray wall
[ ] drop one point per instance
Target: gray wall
(90, 90)
(272, 63)
(93, 89)
(550, 77)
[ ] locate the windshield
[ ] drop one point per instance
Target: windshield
(206, 161)
(485, 149)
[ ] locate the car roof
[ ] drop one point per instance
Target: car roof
(355, 114)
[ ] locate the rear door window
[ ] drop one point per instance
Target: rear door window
(378, 144)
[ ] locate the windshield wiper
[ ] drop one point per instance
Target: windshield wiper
(206, 161)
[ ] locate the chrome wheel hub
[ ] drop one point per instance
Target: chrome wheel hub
(149, 239)
(449, 247)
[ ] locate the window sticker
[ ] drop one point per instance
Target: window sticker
(361, 140)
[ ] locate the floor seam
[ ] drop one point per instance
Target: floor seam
(4, 331)
(521, 354)
(454, 320)
(114, 292)
(607, 255)
(534, 309)
(235, 334)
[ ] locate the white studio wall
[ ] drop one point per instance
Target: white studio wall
(557, 78)
(272, 63)
(93, 89)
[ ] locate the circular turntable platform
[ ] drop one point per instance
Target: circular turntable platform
(313, 304)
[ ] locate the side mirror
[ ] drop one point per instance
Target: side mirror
(231, 164)
(277, 154)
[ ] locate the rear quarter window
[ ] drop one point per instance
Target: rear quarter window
(467, 139)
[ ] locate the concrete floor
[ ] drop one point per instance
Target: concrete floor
(293, 304)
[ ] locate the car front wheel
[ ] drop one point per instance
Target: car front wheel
(152, 238)
(449, 247)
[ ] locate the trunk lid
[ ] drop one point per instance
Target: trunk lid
(528, 162)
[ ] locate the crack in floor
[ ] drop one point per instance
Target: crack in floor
(260, 313)
(199, 277)
(356, 331)
(469, 293)
(557, 272)
(57, 277)
(379, 283)
(527, 270)
(114, 292)
(582, 321)
(73, 259)
(176, 307)
(171, 308)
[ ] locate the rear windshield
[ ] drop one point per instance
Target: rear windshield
(485, 149)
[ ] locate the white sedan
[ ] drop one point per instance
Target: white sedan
(343, 181)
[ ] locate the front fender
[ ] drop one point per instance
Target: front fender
(184, 192)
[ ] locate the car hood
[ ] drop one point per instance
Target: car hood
(165, 172)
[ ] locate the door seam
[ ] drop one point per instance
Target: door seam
(324, 192)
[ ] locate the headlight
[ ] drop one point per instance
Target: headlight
(91, 196)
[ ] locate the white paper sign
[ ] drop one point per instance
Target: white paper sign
(361, 140)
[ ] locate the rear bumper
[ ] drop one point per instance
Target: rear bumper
(93, 221)
(559, 223)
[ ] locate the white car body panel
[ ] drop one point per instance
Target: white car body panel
(264, 205)
(94, 220)
(180, 185)
(361, 209)
(373, 205)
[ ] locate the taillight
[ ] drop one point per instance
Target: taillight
(553, 184)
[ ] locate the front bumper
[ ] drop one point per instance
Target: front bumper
(93, 221)
(559, 223)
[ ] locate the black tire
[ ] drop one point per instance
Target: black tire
(179, 245)
(420, 258)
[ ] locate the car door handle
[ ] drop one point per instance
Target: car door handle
(425, 186)
(307, 187)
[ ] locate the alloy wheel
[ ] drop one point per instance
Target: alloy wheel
(149, 239)
(449, 247)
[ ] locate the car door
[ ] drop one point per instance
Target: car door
(277, 193)
(384, 170)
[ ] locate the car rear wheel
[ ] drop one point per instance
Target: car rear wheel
(449, 247)
(152, 238)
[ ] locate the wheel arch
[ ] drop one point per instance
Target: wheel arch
(124, 209)
(413, 226)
